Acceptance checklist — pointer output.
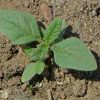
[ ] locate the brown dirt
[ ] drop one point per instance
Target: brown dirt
(83, 18)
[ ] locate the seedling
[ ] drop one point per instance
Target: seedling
(21, 28)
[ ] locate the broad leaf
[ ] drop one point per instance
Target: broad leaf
(32, 69)
(38, 53)
(53, 31)
(73, 54)
(19, 27)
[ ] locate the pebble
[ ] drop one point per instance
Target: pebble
(27, 4)
(39, 85)
(79, 88)
(67, 79)
(94, 13)
(24, 86)
(60, 83)
(4, 94)
(62, 96)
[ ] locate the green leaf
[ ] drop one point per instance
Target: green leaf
(64, 25)
(63, 30)
(73, 54)
(19, 27)
(32, 69)
(38, 53)
(32, 53)
(53, 31)
(43, 30)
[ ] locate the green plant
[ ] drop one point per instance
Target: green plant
(21, 28)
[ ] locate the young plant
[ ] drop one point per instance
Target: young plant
(21, 28)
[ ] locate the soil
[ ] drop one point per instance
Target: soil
(82, 18)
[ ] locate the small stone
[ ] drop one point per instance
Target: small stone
(60, 83)
(27, 4)
(79, 88)
(94, 13)
(24, 86)
(39, 85)
(67, 79)
(62, 96)
(5, 93)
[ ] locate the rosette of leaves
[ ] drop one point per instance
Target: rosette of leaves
(21, 28)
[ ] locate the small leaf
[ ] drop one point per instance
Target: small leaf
(32, 53)
(19, 27)
(43, 30)
(38, 53)
(32, 69)
(53, 31)
(63, 30)
(64, 25)
(72, 53)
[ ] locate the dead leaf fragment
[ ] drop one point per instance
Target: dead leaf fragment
(46, 12)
